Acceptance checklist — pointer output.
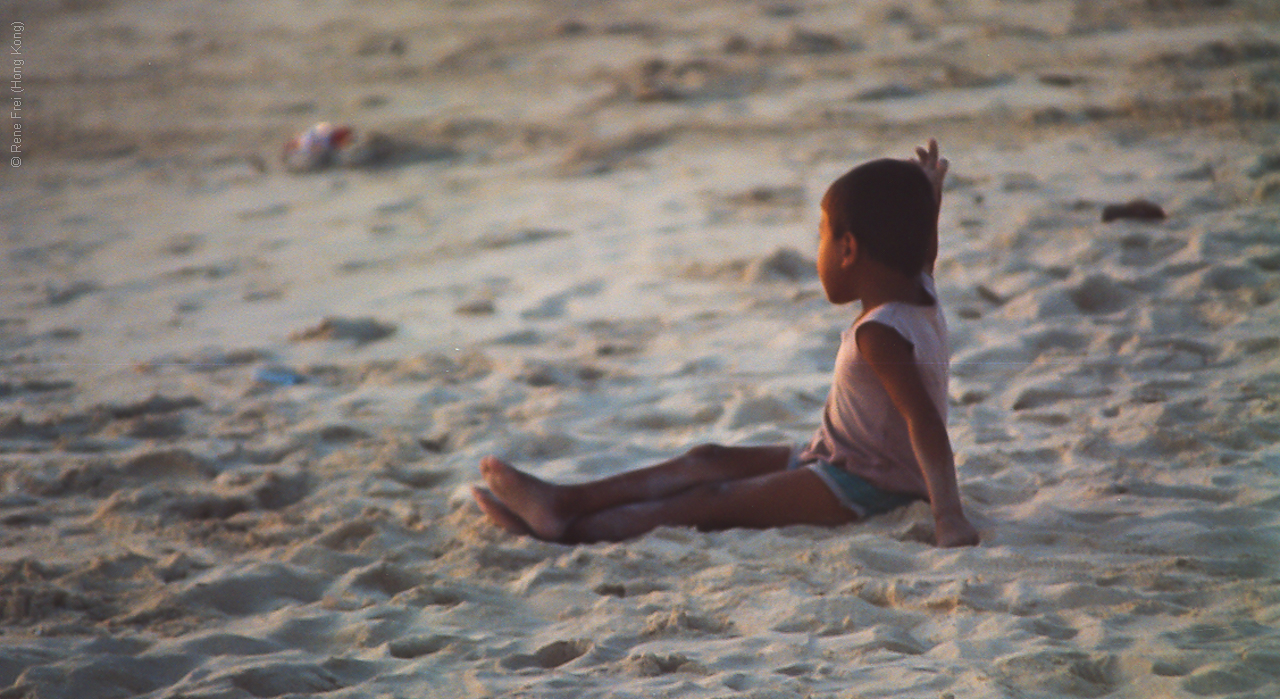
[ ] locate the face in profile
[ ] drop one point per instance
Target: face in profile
(835, 262)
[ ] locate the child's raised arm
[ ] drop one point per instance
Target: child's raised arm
(889, 354)
(935, 168)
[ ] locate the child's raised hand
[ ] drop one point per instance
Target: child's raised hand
(935, 167)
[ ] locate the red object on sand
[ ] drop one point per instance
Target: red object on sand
(315, 148)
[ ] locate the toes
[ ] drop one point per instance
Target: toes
(498, 513)
(492, 466)
(491, 469)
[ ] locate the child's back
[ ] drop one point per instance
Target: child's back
(862, 431)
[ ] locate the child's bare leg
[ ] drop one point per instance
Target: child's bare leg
(708, 463)
(548, 508)
(770, 500)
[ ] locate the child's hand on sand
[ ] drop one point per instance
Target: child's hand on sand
(935, 167)
(955, 531)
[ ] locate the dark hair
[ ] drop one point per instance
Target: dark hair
(889, 207)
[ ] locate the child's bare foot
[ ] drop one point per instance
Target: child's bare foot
(529, 499)
(498, 513)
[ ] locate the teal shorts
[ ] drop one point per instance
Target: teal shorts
(855, 492)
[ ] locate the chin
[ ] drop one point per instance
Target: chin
(838, 298)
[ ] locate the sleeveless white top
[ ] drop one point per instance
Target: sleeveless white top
(862, 431)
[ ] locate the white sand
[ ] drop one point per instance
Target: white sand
(577, 260)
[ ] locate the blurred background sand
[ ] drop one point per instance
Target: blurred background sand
(239, 407)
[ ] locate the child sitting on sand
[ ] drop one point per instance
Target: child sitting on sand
(883, 441)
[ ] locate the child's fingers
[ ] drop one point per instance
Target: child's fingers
(929, 155)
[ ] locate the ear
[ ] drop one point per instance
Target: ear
(848, 250)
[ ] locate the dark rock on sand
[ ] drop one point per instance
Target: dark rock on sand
(1136, 209)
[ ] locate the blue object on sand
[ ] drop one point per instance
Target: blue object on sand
(280, 376)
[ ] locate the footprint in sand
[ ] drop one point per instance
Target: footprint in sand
(1050, 626)
(347, 536)
(277, 679)
(599, 157)
(553, 306)
(380, 579)
(62, 295)
(1230, 278)
(1228, 679)
(1043, 397)
(1061, 673)
(419, 646)
(655, 664)
(218, 643)
(92, 675)
(167, 464)
(550, 656)
(1100, 294)
(558, 653)
(361, 331)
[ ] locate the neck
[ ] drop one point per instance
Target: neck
(879, 285)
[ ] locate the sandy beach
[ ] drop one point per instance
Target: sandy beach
(241, 407)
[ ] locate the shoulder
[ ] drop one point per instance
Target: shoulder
(913, 322)
(893, 318)
(879, 340)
